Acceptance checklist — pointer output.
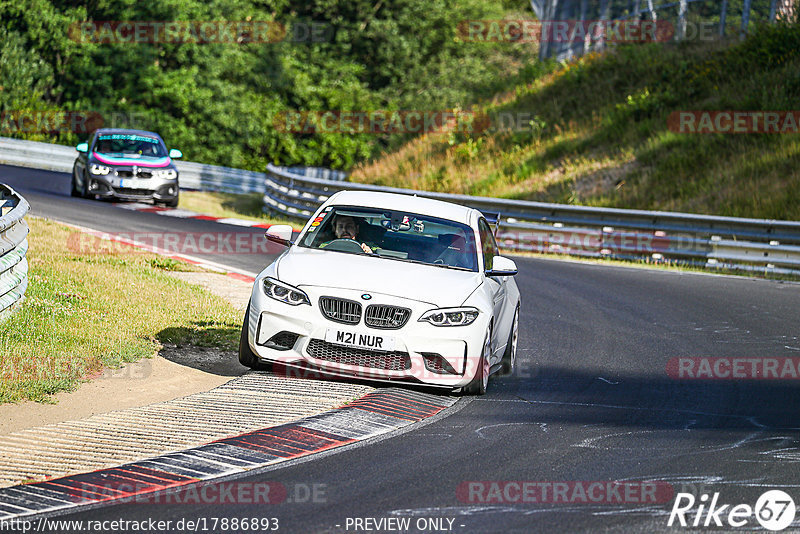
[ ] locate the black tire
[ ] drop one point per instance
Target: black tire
(481, 380)
(74, 186)
(172, 203)
(85, 189)
(510, 355)
(246, 355)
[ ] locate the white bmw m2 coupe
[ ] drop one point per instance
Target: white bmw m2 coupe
(387, 287)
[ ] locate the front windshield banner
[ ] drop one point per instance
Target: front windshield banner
(130, 144)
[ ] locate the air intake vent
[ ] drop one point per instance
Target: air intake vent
(391, 361)
(340, 310)
(386, 317)
(282, 341)
(436, 364)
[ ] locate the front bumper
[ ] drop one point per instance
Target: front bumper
(124, 184)
(422, 354)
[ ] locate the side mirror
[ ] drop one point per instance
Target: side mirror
(280, 233)
(502, 266)
(82, 147)
(175, 153)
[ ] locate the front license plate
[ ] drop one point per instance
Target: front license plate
(130, 183)
(360, 340)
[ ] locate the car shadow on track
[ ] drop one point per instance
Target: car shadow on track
(202, 352)
(198, 347)
(310, 373)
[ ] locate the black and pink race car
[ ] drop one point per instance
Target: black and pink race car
(128, 165)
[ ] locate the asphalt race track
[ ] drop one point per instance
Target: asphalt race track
(595, 399)
(48, 194)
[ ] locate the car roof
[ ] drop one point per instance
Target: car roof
(411, 203)
(111, 131)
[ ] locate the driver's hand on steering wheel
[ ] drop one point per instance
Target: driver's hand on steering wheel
(365, 248)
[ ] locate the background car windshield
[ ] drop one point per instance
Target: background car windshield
(397, 235)
(130, 144)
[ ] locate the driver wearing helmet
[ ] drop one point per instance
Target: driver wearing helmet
(346, 227)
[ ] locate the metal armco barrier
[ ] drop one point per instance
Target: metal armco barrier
(13, 247)
(730, 242)
(197, 176)
(673, 16)
(296, 192)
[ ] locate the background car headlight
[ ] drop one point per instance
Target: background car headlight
(284, 292)
(166, 174)
(98, 169)
(450, 316)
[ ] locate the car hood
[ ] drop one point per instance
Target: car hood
(132, 159)
(438, 286)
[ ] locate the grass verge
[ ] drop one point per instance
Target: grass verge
(85, 311)
(598, 133)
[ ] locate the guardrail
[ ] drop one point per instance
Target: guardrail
(658, 236)
(713, 15)
(296, 192)
(13, 247)
(197, 176)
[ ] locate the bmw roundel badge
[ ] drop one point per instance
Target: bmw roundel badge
(366, 296)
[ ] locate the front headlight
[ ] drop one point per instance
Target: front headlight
(166, 174)
(450, 316)
(94, 168)
(285, 293)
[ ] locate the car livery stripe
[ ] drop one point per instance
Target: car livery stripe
(154, 162)
(374, 414)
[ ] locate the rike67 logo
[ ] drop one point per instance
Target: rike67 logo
(774, 510)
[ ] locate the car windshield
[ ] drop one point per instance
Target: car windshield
(395, 235)
(130, 144)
